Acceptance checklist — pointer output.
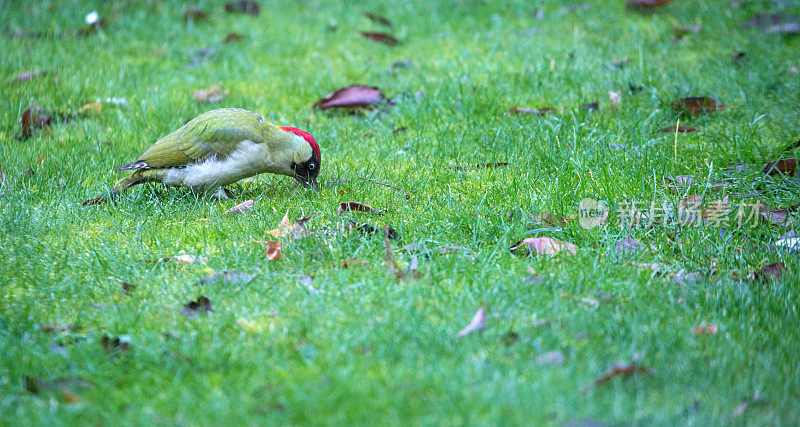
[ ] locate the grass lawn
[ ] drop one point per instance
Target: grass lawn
(357, 344)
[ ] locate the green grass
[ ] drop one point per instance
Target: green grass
(368, 348)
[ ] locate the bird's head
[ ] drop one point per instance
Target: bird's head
(307, 159)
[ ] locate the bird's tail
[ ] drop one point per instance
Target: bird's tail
(138, 177)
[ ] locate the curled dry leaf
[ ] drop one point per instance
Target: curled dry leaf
(232, 37)
(780, 217)
(378, 19)
(617, 371)
(646, 5)
(352, 263)
(591, 106)
(380, 37)
(211, 94)
(357, 206)
(241, 207)
(543, 246)
(292, 230)
(533, 111)
(782, 166)
(477, 324)
(705, 329)
(128, 287)
(192, 308)
(697, 105)
(679, 129)
(354, 96)
(272, 247)
(101, 200)
(243, 6)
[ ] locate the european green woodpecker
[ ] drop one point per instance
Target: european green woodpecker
(220, 147)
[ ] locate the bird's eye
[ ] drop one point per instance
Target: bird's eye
(312, 166)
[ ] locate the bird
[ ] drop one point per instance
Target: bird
(222, 146)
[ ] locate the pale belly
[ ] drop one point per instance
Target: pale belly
(244, 162)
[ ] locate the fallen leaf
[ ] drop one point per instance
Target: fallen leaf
(543, 246)
(101, 200)
(510, 338)
(617, 371)
(91, 108)
(192, 308)
(782, 166)
(369, 229)
(628, 245)
(552, 358)
(292, 230)
(399, 130)
(355, 96)
(357, 206)
(705, 329)
(353, 262)
(23, 77)
(478, 323)
(194, 14)
(273, 249)
(211, 94)
(780, 217)
(615, 97)
(34, 118)
(243, 6)
(379, 37)
(240, 208)
(697, 105)
(128, 287)
(55, 328)
(534, 111)
(550, 219)
(680, 182)
(771, 271)
(646, 5)
(788, 242)
(186, 259)
(378, 19)
(115, 344)
(228, 276)
(232, 37)
(591, 106)
(679, 129)
(775, 23)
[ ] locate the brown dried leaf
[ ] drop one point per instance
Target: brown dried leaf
(543, 246)
(233, 37)
(617, 371)
(287, 228)
(272, 247)
(243, 6)
(211, 94)
(705, 329)
(382, 38)
(591, 106)
(354, 96)
(34, 118)
(23, 77)
(533, 111)
(101, 200)
(91, 108)
(646, 5)
(378, 19)
(477, 324)
(353, 262)
(128, 287)
(782, 166)
(357, 206)
(679, 129)
(241, 207)
(192, 308)
(771, 271)
(697, 105)
(115, 344)
(550, 219)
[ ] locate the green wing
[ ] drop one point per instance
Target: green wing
(216, 132)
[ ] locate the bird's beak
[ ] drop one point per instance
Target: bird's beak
(307, 182)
